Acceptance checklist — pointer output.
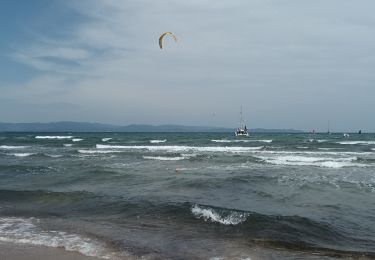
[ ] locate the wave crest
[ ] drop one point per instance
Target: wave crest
(225, 217)
(52, 137)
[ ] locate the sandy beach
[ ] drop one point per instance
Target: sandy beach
(10, 251)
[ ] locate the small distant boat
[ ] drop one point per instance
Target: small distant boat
(242, 130)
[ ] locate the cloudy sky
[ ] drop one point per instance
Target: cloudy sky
(290, 64)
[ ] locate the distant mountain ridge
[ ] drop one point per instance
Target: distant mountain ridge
(67, 126)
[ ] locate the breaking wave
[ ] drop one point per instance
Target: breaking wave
(98, 151)
(358, 142)
(165, 158)
(158, 141)
(225, 217)
(177, 148)
(12, 147)
(239, 141)
(53, 137)
(313, 161)
(22, 154)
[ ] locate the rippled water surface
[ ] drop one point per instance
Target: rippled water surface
(190, 195)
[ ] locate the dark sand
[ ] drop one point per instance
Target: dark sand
(10, 251)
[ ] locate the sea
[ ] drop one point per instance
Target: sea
(190, 195)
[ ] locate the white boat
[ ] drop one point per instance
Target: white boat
(242, 130)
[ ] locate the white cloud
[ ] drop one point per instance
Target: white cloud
(270, 56)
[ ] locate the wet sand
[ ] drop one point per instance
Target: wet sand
(10, 251)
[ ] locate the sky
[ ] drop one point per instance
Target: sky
(290, 64)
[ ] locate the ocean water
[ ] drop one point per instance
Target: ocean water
(190, 195)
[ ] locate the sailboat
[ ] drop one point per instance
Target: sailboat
(242, 130)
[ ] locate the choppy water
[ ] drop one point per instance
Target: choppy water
(190, 195)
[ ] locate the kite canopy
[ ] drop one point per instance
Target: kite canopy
(162, 37)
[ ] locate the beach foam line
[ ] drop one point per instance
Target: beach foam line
(12, 147)
(25, 231)
(158, 141)
(212, 215)
(177, 148)
(53, 137)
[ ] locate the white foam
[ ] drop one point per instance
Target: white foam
(358, 142)
(22, 154)
(12, 147)
(54, 155)
(98, 151)
(327, 162)
(158, 141)
(239, 141)
(25, 231)
(68, 145)
(106, 139)
(209, 214)
(322, 141)
(77, 139)
(53, 137)
(164, 158)
(177, 148)
(303, 147)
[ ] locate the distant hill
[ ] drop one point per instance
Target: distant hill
(67, 126)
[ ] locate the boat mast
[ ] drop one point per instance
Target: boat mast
(241, 119)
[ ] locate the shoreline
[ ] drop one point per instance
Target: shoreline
(14, 251)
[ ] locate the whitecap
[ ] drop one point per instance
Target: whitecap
(181, 148)
(106, 139)
(77, 139)
(158, 141)
(68, 145)
(22, 154)
(239, 141)
(210, 214)
(357, 142)
(54, 155)
(53, 137)
(25, 231)
(299, 160)
(12, 147)
(98, 151)
(164, 158)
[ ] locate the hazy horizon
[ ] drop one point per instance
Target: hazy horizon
(295, 64)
